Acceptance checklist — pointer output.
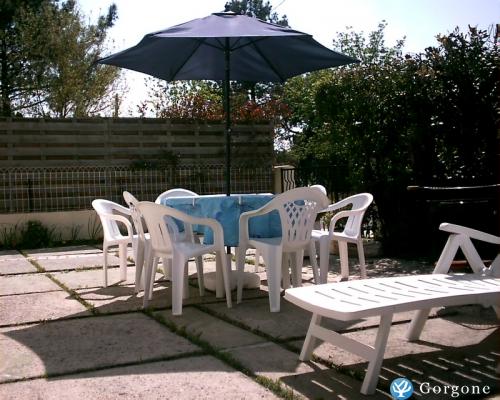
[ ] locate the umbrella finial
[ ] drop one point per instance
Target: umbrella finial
(225, 14)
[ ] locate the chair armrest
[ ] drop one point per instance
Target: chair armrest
(341, 215)
(245, 217)
(338, 205)
(191, 220)
(472, 233)
(123, 220)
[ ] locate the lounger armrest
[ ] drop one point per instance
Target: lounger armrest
(472, 233)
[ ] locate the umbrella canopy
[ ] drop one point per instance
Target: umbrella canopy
(227, 46)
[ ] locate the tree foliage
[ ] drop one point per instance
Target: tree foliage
(48, 60)
(393, 120)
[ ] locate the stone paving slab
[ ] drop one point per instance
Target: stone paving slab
(271, 360)
(290, 322)
(311, 380)
(329, 384)
(26, 308)
(94, 278)
(123, 298)
(13, 262)
(218, 333)
(447, 350)
(75, 261)
(194, 378)
(26, 283)
(68, 346)
(63, 251)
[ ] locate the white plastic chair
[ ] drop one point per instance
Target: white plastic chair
(166, 243)
(111, 214)
(350, 234)
(257, 253)
(178, 192)
(188, 229)
(142, 241)
(297, 209)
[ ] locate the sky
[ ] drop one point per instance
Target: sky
(417, 21)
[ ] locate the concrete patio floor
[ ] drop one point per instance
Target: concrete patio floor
(64, 336)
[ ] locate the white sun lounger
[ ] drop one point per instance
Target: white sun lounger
(347, 301)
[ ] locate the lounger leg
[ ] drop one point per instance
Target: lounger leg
(372, 374)
(417, 324)
(310, 341)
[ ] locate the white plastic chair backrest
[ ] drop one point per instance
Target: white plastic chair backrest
(132, 202)
(359, 202)
(175, 193)
(298, 209)
(320, 188)
(109, 226)
(161, 236)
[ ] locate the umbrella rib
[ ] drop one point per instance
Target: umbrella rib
(200, 42)
(268, 62)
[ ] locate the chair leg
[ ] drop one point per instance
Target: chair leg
(122, 250)
(257, 261)
(178, 273)
(297, 263)
(273, 259)
(167, 268)
(148, 279)
(199, 273)
(285, 271)
(324, 258)
(139, 264)
(226, 275)
(344, 260)
(361, 256)
(240, 268)
(185, 281)
(105, 266)
(313, 261)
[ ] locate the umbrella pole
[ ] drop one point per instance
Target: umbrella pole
(227, 108)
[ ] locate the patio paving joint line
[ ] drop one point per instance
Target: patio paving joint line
(274, 386)
(190, 354)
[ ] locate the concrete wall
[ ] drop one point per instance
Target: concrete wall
(69, 224)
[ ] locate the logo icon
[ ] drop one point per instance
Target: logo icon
(401, 388)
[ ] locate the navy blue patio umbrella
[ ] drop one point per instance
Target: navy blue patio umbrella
(224, 47)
